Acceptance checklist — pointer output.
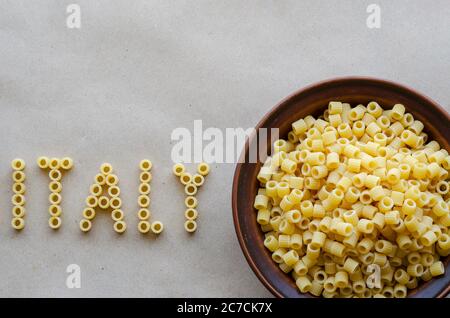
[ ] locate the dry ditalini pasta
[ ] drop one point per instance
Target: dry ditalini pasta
(144, 214)
(104, 194)
(191, 184)
(55, 165)
(18, 198)
(356, 202)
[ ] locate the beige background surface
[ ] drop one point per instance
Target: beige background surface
(116, 88)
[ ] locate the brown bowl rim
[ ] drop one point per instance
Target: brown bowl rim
(286, 100)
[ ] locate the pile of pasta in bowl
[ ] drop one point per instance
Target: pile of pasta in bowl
(356, 202)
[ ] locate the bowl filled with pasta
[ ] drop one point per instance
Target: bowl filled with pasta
(352, 199)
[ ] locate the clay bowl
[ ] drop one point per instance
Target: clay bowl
(313, 100)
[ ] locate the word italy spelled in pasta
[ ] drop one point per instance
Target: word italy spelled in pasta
(144, 214)
(56, 167)
(18, 198)
(355, 189)
(104, 194)
(191, 184)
